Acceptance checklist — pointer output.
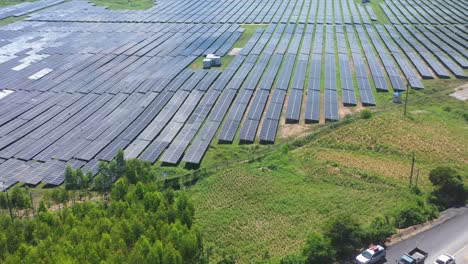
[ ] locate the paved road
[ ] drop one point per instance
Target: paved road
(449, 237)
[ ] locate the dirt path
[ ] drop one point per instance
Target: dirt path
(461, 93)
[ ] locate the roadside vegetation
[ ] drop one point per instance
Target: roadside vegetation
(265, 209)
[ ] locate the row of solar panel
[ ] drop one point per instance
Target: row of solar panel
(171, 113)
(247, 12)
(418, 12)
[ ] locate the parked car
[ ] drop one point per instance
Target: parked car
(371, 255)
(415, 256)
(445, 259)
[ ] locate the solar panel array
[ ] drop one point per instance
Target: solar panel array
(26, 8)
(88, 81)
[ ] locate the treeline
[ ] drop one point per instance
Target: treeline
(137, 222)
(344, 234)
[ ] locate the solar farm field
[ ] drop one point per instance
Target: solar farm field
(263, 210)
(81, 81)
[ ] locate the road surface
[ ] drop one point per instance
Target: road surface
(449, 237)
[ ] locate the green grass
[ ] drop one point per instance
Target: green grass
(361, 166)
(379, 13)
(125, 4)
(10, 20)
(375, 5)
(13, 2)
(248, 33)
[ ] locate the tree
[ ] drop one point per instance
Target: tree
(42, 207)
(20, 198)
(346, 235)
(185, 209)
(71, 179)
(104, 179)
(120, 163)
(59, 195)
(82, 182)
(120, 189)
(449, 189)
(318, 250)
(3, 201)
(415, 212)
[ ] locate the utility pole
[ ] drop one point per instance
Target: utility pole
(406, 98)
(413, 160)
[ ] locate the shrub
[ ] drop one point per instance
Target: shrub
(449, 189)
(379, 229)
(318, 250)
(292, 259)
(20, 198)
(465, 116)
(345, 233)
(366, 114)
(414, 213)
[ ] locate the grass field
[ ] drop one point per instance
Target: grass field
(125, 4)
(267, 207)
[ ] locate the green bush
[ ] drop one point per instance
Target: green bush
(345, 234)
(292, 259)
(378, 231)
(319, 250)
(414, 213)
(449, 189)
(447, 108)
(366, 114)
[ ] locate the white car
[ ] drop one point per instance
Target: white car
(371, 255)
(445, 259)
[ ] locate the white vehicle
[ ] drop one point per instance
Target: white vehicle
(445, 259)
(371, 255)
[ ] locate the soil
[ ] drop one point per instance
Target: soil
(461, 93)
